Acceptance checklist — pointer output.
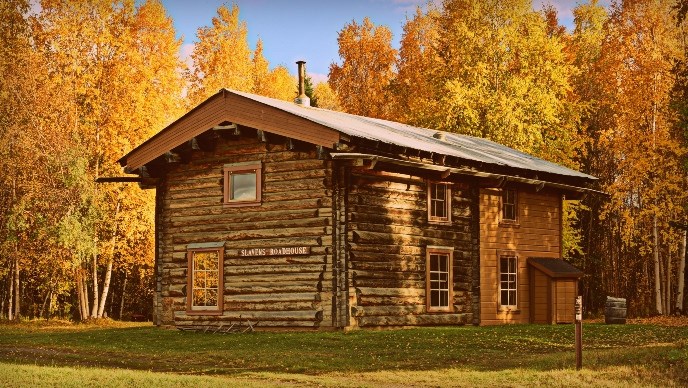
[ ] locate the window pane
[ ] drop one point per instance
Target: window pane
(199, 279)
(434, 298)
(243, 187)
(211, 298)
(199, 297)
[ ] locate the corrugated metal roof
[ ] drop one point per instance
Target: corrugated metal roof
(461, 146)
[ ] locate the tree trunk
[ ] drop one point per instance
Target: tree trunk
(658, 280)
(10, 296)
(667, 289)
(94, 311)
(108, 270)
(16, 289)
(124, 290)
(50, 305)
(681, 273)
(84, 288)
(80, 295)
(45, 302)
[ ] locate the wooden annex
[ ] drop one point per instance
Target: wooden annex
(293, 216)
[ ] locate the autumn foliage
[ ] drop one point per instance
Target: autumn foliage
(82, 84)
(85, 82)
(608, 98)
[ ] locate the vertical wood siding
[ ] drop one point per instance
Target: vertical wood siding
(387, 235)
(290, 291)
(536, 234)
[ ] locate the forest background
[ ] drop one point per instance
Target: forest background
(82, 83)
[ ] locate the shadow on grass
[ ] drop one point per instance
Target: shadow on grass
(531, 347)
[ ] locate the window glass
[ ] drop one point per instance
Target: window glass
(439, 201)
(243, 186)
(509, 205)
(205, 274)
(507, 281)
(439, 280)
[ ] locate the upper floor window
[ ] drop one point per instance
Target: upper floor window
(242, 184)
(439, 202)
(509, 208)
(439, 283)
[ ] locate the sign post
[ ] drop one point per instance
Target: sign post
(579, 332)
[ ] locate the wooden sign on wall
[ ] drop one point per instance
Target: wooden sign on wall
(281, 251)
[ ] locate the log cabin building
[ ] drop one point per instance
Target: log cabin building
(294, 216)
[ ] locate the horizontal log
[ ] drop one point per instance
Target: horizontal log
(395, 292)
(390, 212)
(386, 282)
(241, 237)
(271, 260)
(368, 311)
(287, 278)
(176, 207)
(265, 269)
(230, 225)
(300, 184)
(269, 306)
(386, 257)
(448, 232)
(394, 195)
(225, 323)
(267, 298)
(377, 275)
(304, 315)
(387, 203)
(416, 320)
(365, 237)
(252, 217)
(294, 165)
(367, 300)
(275, 288)
(392, 249)
(387, 266)
(359, 184)
(180, 244)
(460, 222)
(293, 175)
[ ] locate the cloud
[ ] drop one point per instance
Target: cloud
(185, 53)
(317, 78)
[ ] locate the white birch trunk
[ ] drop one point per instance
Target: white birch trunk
(108, 270)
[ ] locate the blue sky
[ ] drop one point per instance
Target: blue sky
(307, 30)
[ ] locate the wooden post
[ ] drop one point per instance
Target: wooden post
(579, 332)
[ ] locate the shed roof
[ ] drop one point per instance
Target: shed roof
(555, 268)
(301, 122)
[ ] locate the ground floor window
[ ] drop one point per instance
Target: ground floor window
(508, 281)
(439, 278)
(205, 280)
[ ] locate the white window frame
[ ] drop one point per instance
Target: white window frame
(431, 280)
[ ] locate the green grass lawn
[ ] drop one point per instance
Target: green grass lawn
(516, 355)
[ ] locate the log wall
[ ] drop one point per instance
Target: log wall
(537, 233)
(296, 210)
(387, 235)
